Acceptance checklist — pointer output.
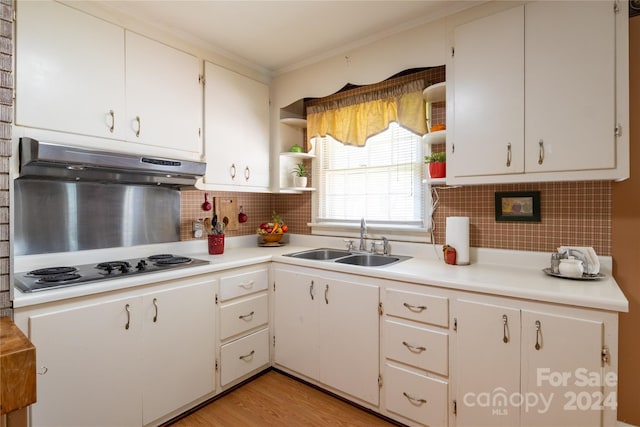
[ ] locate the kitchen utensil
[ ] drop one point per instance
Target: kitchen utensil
(242, 217)
(206, 206)
(207, 225)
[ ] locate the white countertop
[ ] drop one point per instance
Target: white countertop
(507, 273)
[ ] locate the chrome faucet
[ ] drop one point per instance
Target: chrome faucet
(363, 234)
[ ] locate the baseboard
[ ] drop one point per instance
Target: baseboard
(621, 424)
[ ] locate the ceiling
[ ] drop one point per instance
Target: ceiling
(277, 35)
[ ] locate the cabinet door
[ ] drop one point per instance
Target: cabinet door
(296, 322)
(178, 348)
(164, 95)
(568, 352)
(65, 80)
(236, 129)
(349, 338)
(91, 365)
(486, 365)
(570, 85)
(488, 77)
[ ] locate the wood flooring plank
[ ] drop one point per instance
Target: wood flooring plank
(274, 399)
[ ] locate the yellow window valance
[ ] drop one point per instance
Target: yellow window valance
(354, 119)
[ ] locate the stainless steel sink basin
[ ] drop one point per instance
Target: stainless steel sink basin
(345, 257)
(370, 260)
(322, 254)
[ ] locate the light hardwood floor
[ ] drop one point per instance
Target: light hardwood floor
(274, 399)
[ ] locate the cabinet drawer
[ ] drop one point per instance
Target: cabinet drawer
(419, 398)
(243, 315)
(419, 307)
(244, 355)
(419, 347)
(235, 285)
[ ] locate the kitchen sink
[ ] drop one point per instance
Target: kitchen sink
(370, 260)
(346, 257)
(322, 254)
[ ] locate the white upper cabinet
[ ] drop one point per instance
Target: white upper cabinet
(69, 71)
(236, 131)
(570, 86)
(164, 95)
(535, 95)
(81, 75)
(488, 78)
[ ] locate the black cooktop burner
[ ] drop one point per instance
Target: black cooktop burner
(52, 271)
(173, 260)
(160, 257)
(57, 277)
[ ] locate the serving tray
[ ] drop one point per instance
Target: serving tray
(585, 276)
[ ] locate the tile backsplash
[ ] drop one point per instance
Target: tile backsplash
(572, 213)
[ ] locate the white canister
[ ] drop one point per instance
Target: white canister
(571, 267)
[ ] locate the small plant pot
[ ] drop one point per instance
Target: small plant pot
(438, 169)
(299, 181)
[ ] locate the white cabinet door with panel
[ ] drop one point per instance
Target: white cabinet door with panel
(487, 362)
(521, 110)
(164, 95)
(296, 318)
(236, 130)
(178, 347)
(488, 86)
(327, 330)
(550, 356)
(570, 348)
(570, 86)
(66, 80)
(89, 363)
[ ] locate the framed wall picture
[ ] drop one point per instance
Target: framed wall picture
(518, 206)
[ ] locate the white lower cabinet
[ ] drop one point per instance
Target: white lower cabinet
(534, 364)
(243, 302)
(243, 356)
(415, 348)
(326, 329)
(125, 359)
(415, 396)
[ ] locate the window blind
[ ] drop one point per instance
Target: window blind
(381, 181)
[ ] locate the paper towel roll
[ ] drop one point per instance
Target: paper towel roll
(458, 237)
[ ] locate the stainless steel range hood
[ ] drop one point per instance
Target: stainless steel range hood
(53, 161)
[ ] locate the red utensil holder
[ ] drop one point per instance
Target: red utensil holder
(216, 244)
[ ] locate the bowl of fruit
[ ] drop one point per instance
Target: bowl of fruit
(272, 232)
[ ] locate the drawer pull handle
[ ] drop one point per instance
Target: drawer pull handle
(413, 348)
(414, 400)
(128, 309)
(505, 329)
(415, 308)
(246, 316)
(311, 290)
(326, 294)
(248, 285)
(43, 370)
(155, 305)
(247, 356)
(538, 336)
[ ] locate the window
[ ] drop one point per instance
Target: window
(380, 181)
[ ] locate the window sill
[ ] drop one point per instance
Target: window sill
(401, 233)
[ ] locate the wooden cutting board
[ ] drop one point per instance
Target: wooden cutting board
(227, 207)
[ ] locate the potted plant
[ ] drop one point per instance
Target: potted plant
(437, 164)
(299, 175)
